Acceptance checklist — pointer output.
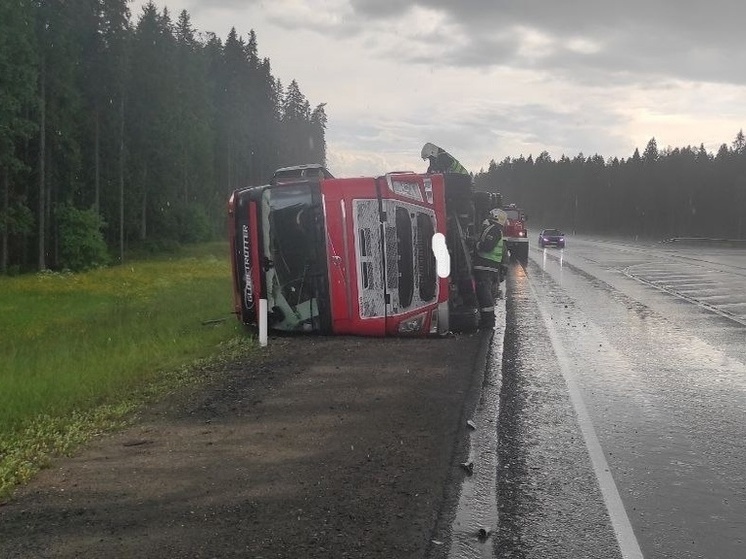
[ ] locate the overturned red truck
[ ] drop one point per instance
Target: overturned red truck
(355, 255)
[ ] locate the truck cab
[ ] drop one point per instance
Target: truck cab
(340, 255)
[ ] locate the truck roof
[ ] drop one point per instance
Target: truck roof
(302, 171)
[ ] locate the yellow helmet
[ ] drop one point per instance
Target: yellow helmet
(430, 150)
(499, 216)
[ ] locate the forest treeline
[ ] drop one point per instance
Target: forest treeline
(120, 131)
(671, 192)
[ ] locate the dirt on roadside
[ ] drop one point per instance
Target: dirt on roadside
(318, 447)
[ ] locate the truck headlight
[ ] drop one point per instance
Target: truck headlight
(412, 325)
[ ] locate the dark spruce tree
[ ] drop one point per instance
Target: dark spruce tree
(18, 79)
(670, 192)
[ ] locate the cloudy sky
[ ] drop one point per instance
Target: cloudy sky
(488, 79)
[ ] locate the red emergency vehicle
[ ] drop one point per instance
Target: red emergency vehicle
(348, 255)
(515, 233)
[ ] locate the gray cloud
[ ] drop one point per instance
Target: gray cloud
(477, 137)
(195, 6)
(635, 39)
(602, 77)
(381, 8)
(716, 21)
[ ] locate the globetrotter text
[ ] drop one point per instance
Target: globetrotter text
(248, 294)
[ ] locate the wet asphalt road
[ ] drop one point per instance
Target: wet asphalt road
(623, 403)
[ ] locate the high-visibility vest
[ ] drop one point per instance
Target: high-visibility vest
(490, 260)
(457, 167)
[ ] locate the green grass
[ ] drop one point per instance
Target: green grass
(80, 352)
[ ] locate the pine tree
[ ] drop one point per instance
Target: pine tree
(296, 134)
(59, 34)
(152, 127)
(233, 110)
(148, 127)
(650, 155)
(318, 135)
(739, 144)
(194, 133)
(18, 86)
(105, 71)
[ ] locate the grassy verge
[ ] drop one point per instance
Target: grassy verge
(80, 352)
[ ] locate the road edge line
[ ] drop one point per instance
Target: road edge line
(625, 535)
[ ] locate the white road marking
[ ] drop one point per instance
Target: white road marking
(685, 295)
(625, 536)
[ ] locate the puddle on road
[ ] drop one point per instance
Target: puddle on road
(475, 523)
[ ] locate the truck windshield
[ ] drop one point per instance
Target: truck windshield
(294, 244)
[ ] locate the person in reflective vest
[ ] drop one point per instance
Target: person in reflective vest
(488, 264)
(440, 161)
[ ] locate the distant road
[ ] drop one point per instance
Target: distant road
(623, 408)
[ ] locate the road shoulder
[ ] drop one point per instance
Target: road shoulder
(323, 447)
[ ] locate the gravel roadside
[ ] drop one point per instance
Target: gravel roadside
(319, 447)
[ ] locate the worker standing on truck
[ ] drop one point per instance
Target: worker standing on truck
(440, 161)
(488, 264)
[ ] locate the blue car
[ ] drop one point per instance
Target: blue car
(552, 237)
